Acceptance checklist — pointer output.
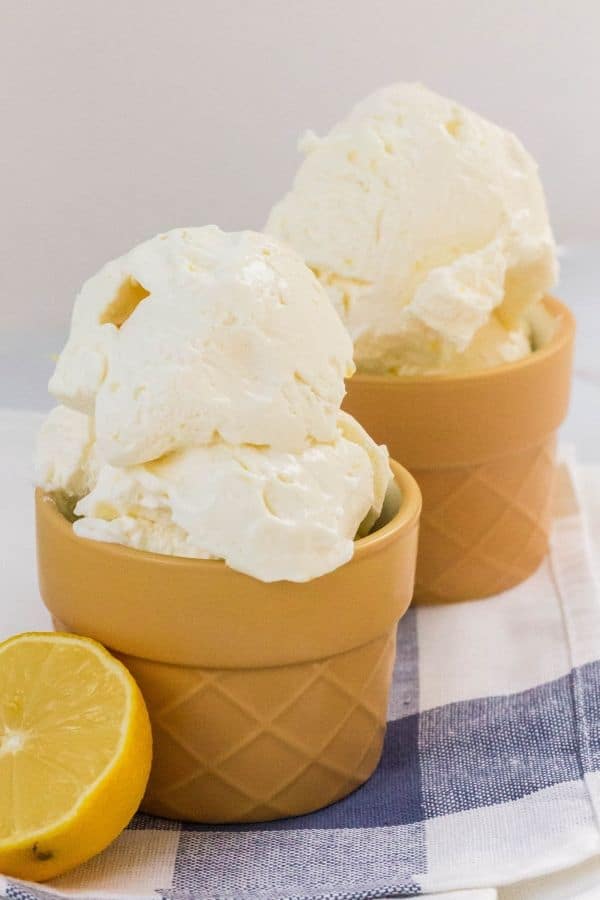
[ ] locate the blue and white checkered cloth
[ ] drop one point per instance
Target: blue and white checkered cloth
(490, 772)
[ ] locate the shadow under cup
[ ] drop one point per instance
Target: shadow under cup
(266, 700)
(482, 448)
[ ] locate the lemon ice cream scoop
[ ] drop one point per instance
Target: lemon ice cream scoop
(268, 513)
(428, 227)
(198, 336)
(66, 458)
(201, 388)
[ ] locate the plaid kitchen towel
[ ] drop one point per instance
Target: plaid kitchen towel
(490, 772)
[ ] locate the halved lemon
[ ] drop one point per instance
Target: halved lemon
(75, 752)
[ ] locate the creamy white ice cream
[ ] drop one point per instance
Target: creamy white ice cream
(65, 456)
(269, 513)
(198, 336)
(428, 227)
(201, 388)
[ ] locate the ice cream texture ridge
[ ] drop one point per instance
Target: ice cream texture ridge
(199, 409)
(427, 225)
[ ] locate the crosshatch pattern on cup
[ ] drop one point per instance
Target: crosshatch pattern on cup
(274, 741)
(505, 534)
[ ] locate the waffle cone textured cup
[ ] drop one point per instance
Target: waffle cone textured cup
(481, 446)
(266, 700)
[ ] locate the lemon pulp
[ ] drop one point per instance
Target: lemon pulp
(75, 752)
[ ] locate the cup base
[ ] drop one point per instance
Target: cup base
(484, 528)
(254, 745)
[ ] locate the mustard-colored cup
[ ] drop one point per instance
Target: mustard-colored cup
(481, 446)
(266, 700)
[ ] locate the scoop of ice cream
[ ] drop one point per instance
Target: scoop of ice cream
(419, 350)
(65, 456)
(198, 336)
(426, 224)
(268, 513)
(203, 378)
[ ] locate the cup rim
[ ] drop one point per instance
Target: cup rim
(564, 335)
(401, 522)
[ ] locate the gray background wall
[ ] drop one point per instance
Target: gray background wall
(121, 119)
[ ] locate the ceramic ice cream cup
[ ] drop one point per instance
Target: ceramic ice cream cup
(481, 446)
(266, 700)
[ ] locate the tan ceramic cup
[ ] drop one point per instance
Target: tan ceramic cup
(481, 447)
(266, 700)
